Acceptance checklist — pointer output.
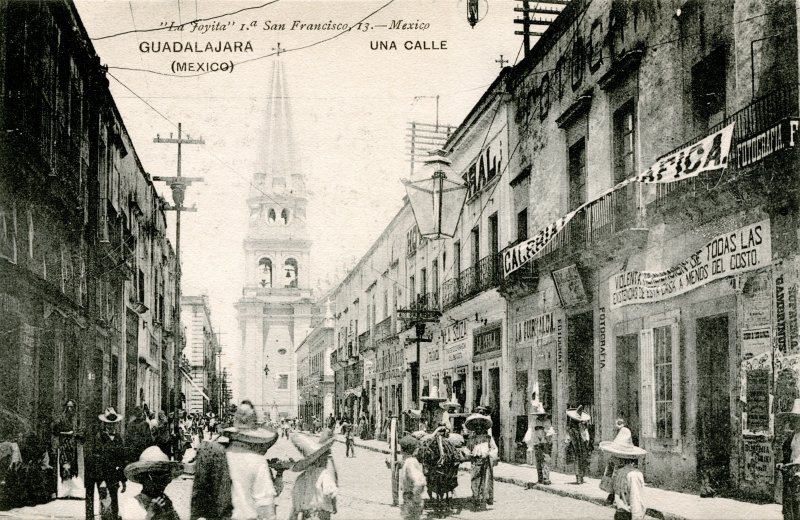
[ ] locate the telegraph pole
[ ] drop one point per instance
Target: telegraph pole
(178, 186)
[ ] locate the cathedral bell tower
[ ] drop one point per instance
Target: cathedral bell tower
(274, 312)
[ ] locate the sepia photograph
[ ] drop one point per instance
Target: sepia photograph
(399, 259)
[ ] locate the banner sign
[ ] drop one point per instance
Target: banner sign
(736, 252)
(710, 153)
(758, 147)
(517, 256)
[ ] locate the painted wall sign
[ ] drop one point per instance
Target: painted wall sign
(738, 251)
(454, 332)
(601, 334)
(760, 146)
(757, 401)
(569, 286)
(756, 341)
(488, 341)
(757, 302)
(792, 325)
(710, 153)
(456, 352)
(780, 314)
(533, 328)
(559, 347)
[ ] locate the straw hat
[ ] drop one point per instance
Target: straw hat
(537, 408)
(478, 422)
(433, 396)
(579, 415)
(408, 444)
(311, 449)
(245, 430)
(451, 404)
(152, 460)
(622, 446)
(110, 416)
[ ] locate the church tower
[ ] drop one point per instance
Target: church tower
(275, 310)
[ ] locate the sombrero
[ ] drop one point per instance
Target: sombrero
(433, 396)
(110, 416)
(311, 449)
(245, 430)
(622, 446)
(419, 434)
(452, 403)
(478, 423)
(579, 415)
(152, 460)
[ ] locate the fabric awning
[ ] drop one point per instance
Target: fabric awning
(191, 382)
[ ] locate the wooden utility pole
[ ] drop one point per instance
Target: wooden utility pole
(178, 186)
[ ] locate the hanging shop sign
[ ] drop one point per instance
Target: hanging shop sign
(758, 147)
(569, 286)
(710, 153)
(738, 251)
(488, 340)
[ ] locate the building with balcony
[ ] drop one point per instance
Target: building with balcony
(86, 270)
(665, 294)
(315, 376)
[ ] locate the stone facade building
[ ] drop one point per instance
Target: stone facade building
(86, 270)
(202, 350)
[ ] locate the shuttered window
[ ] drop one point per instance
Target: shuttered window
(647, 393)
(660, 412)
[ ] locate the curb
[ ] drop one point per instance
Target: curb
(526, 484)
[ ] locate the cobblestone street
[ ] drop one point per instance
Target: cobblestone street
(364, 494)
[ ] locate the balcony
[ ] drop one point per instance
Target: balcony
(484, 275)
(706, 192)
(384, 329)
(365, 343)
(337, 360)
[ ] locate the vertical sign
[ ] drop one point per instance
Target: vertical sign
(559, 348)
(602, 336)
(780, 316)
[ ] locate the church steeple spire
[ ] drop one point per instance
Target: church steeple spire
(277, 162)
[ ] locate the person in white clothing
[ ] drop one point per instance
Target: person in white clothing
(628, 479)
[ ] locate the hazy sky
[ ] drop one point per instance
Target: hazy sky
(350, 104)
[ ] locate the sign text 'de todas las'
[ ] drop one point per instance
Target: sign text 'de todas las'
(741, 250)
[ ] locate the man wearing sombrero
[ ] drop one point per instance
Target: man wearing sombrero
(483, 453)
(579, 440)
(542, 440)
(154, 471)
(316, 487)
(628, 480)
(106, 462)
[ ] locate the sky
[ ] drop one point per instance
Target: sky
(350, 104)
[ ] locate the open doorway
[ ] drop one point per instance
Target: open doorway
(628, 382)
(713, 403)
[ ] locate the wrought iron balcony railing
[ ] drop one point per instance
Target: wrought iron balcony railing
(384, 329)
(484, 275)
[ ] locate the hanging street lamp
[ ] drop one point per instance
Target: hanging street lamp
(436, 199)
(472, 12)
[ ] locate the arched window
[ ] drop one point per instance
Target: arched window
(271, 216)
(290, 268)
(285, 216)
(265, 272)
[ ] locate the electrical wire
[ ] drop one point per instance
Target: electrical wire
(260, 6)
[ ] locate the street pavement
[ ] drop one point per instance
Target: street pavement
(364, 494)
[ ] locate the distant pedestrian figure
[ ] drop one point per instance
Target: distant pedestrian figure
(628, 480)
(349, 442)
(579, 441)
(154, 471)
(483, 453)
(543, 434)
(316, 487)
(67, 451)
(331, 422)
(107, 462)
(138, 434)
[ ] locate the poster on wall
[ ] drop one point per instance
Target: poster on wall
(741, 250)
(756, 415)
(569, 286)
(758, 462)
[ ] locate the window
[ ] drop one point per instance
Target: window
(435, 276)
(412, 290)
(662, 357)
(708, 89)
(577, 173)
(475, 242)
(522, 225)
(283, 381)
(140, 285)
(457, 258)
(8, 232)
(412, 239)
(423, 281)
(494, 238)
(624, 142)
(544, 97)
(385, 303)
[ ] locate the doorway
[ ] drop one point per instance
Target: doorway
(580, 360)
(494, 400)
(628, 382)
(713, 402)
(477, 388)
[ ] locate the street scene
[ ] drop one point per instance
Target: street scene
(366, 259)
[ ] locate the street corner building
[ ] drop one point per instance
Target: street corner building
(87, 274)
(627, 243)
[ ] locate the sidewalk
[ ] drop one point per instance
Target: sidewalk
(666, 504)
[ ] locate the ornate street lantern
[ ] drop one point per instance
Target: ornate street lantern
(436, 200)
(472, 12)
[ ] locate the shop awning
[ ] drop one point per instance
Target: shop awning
(191, 382)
